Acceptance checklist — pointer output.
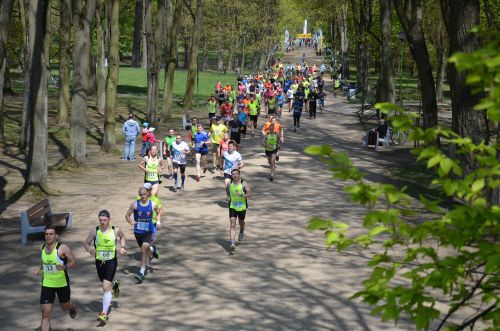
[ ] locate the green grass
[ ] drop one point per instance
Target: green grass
(134, 81)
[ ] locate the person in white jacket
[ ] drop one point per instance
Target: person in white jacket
(130, 130)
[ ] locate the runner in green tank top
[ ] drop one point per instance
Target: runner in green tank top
(101, 244)
(238, 191)
(152, 166)
(167, 151)
(270, 143)
(56, 259)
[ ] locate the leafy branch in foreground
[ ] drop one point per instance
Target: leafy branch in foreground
(450, 255)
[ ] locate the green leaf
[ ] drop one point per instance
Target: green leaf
(433, 161)
(376, 230)
(318, 150)
(446, 165)
(332, 237)
(317, 223)
(478, 185)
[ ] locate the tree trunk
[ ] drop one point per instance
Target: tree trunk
(38, 14)
(64, 59)
(459, 17)
(82, 17)
(136, 46)
(362, 23)
(24, 138)
(229, 58)
(144, 61)
(255, 62)
(262, 61)
(411, 21)
(344, 39)
(193, 59)
(101, 57)
(171, 65)
(205, 58)
(385, 91)
(441, 63)
(220, 59)
(109, 141)
(5, 14)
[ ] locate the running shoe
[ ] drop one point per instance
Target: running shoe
(271, 178)
(277, 157)
(240, 236)
(232, 247)
(155, 252)
(197, 178)
(73, 312)
(182, 187)
(103, 317)
(116, 289)
(175, 188)
(205, 170)
(139, 277)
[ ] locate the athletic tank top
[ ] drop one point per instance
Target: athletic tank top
(51, 276)
(143, 215)
(105, 244)
(237, 202)
(271, 142)
(152, 169)
(253, 108)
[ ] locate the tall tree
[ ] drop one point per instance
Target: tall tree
(100, 27)
(154, 49)
(410, 16)
(385, 90)
(193, 59)
(24, 137)
(136, 47)
(64, 59)
(83, 14)
(171, 61)
(344, 38)
(5, 14)
(362, 15)
(459, 17)
(38, 15)
(109, 141)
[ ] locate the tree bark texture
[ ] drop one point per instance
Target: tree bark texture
(27, 61)
(100, 25)
(5, 14)
(385, 89)
(82, 18)
(344, 39)
(144, 61)
(38, 14)
(440, 62)
(459, 17)
(109, 139)
(220, 59)
(171, 64)
(193, 58)
(64, 60)
(136, 46)
(205, 58)
(229, 57)
(410, 16)
(362, 14)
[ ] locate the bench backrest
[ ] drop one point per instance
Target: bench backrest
(40, 211)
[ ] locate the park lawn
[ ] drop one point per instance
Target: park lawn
(134, 81)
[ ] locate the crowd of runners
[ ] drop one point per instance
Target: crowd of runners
(234, 111)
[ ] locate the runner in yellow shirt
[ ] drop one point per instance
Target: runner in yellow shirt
(217, 131)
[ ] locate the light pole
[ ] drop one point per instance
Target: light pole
(402, 38)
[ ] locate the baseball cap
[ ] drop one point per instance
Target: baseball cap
(151, 129)
(147, 186)
(105, 213)
(145, 124)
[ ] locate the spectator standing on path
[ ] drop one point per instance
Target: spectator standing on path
(101, 243)
(130, 130)
(56, 259)
(145, 143)
(238, 191)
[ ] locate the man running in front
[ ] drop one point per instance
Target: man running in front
(143, 226)
(238, 191)
(232, 160)
(152, 166)
(101, 244)
(57, 258)
(270, 143)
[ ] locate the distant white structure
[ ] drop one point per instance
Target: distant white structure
(287, 38)
(305, 26)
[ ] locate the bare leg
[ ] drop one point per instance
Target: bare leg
(154, 189)
(232, 229)
(46, 310)
(198, 160)
(146, 252)
(273, 164)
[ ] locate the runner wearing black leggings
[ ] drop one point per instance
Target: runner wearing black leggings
(297, 111)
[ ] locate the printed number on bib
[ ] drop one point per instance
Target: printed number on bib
(49, 268)
(151, 175)
(105, 255)
(238, 204)
(143, 226)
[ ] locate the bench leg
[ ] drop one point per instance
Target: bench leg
(25, 223)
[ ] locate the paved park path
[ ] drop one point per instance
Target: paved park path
(280, 278)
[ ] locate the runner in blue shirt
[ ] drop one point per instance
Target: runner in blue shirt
(200, 141)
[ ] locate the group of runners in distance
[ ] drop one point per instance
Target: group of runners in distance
(233, 110)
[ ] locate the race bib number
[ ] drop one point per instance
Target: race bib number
(151, 176)
(105, 255)
(199, 145)
(143, 226)
(49, 268)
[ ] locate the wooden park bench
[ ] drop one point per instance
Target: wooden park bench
(35, 219)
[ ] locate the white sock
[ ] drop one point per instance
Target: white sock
(143, 269)
(106, 301)
(232, 242)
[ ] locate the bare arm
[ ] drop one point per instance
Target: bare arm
(123, 241)
(248, 190)
(142, 165)
(66, 252)
(87, 244)
(130, 211)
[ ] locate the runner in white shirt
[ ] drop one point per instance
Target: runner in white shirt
(232, 160)
(179, 150)
(289, 95)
